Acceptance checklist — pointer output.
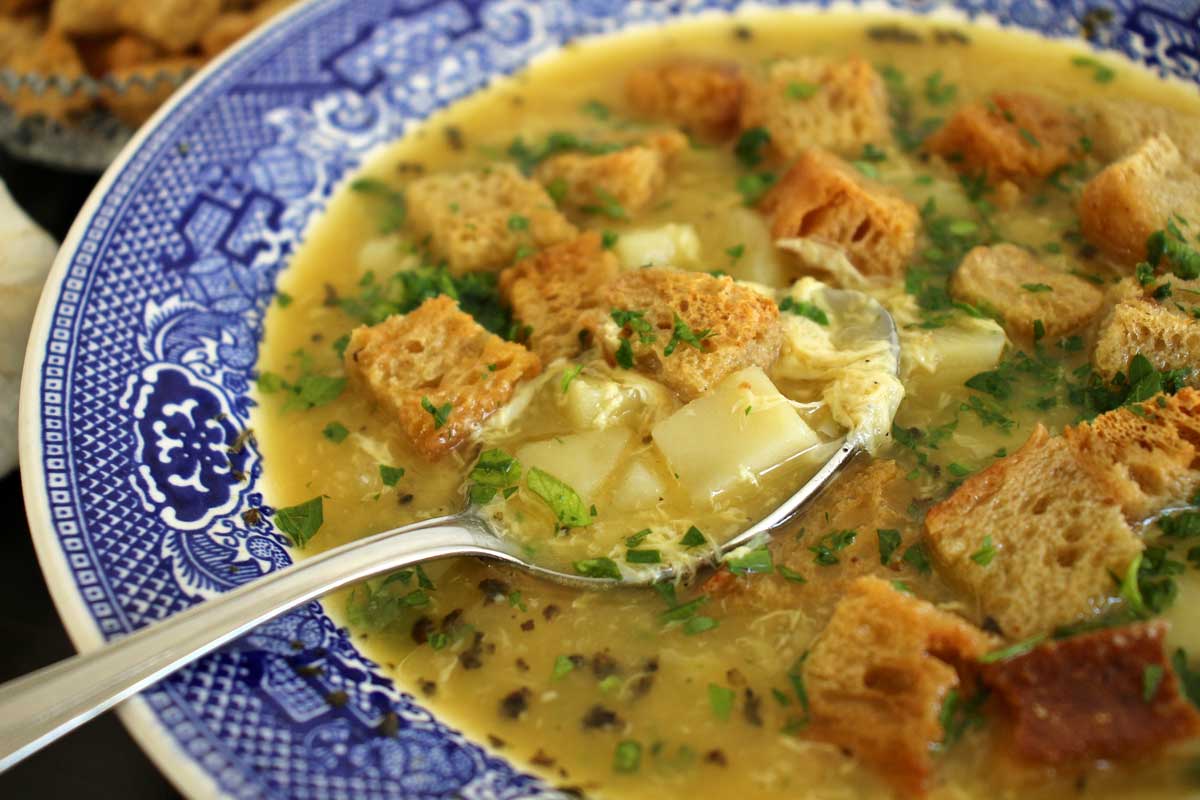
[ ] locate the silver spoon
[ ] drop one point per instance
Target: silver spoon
(38, 708)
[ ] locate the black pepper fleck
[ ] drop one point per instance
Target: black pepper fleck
(522, 665)
(494, 590)
(550, 612)
(716, 757)
(514, 704)
(251, 516)
(542, 759)
(495, 741)
(428, 688)
(389, 725)
(604, 665)
(752, 708)
(331, 297)
(454, 138)
(742, 33)
(421, 630)
(527, 625)
(471, 657)
(599, 717)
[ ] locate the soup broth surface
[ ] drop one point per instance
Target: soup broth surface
(574, 685)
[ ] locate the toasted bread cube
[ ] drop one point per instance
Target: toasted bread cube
(742, 326)
(1058, 538)
(879, 673)
(823, 198)
(1136, 196)
(551, 291)
(812, 102)
(174, 24)
(1011, 280)
(632, 178)
(1118, 127)
(702, 97)
(1137, 323)
(1147, 459)
(438, 354)
(1013, 136)
(742, 428)
(1086, 697)
(479, 219)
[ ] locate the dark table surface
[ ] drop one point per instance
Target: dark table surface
(100, 760)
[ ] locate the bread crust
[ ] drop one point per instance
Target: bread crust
(704, 97)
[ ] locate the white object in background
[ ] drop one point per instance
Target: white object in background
(26, 252)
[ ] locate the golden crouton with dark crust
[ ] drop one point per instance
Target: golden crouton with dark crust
(702, 97)
(480, 219)
(1012, 136)
(1165, 331)
(437, 371)
(1148, 459)
(813, 102)
(1034, 538)
(551, 291)
(1092, 696)
(630, 178)
(1136, 196)
(825, 199)
(879, 673)
(1012, 281)
(730, 327)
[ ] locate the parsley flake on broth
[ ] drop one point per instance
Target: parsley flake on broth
(881, 643)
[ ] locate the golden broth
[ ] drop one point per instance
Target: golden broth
(572, 653)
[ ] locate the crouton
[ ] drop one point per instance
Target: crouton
(1011, 280)
(811, 102)
(552, 290)
(614, 184)
(1136, 196)
(868, 496)
(824, 199)
(1014, 136)
(702, 97)
(1034, 538)
(479, 219)
(437, 357)
(174, 24)
(1148, 458)
(878, 674)
(701, 327)
(1138, 323)
(1117, 127)
(1088, 697)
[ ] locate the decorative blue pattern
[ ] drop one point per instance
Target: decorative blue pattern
(154, 332)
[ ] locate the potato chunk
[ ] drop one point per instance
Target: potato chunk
(583, 461)
(724, 439)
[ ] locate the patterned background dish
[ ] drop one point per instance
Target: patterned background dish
(157, 299)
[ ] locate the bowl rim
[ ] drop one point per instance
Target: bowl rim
(182, 770)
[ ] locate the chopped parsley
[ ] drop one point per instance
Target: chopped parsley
(938, 93)
(1170, 246)
(698, 624)
(283, 299)
(693, 538)
(754, 185)
(826, 549)
(477, 294)
(598, 568)
(643, 557)
(1037, 288)
(566, 504)
(335, 432)
(529, 156)
(440, 413)
(516, 222)
(495, 471)
(607, 205)
(735, 252)
(986, 552)
(802, 90)
(749, 146)
(790, 574)
(754, 562)
(563, 666)
(608, 239)
(720, 700)
(1100, 73)
(637, 538)
(569, 374)
(889, 543)
(916, 557)
(627, 758)
(596, 109)
(301, 522)
(683, 333)
(958, 716)
(1152, 677)
(684, 611)
(804, 309)
(1013, 650)
(394, 209)
(390, 475)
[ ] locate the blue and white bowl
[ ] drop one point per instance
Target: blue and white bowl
(144, 346)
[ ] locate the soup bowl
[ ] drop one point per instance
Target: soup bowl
(144, 496)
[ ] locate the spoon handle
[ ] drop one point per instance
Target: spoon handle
(40, 707)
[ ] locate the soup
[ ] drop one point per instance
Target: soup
(592, 302)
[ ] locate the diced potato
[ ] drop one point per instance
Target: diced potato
(583, 461)
(759, 261)
(943, 358)
(640, 488)
(593, 401)
(672, 245)
(385, 255)
(727, 437)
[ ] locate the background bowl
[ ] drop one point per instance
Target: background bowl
(158, 297)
